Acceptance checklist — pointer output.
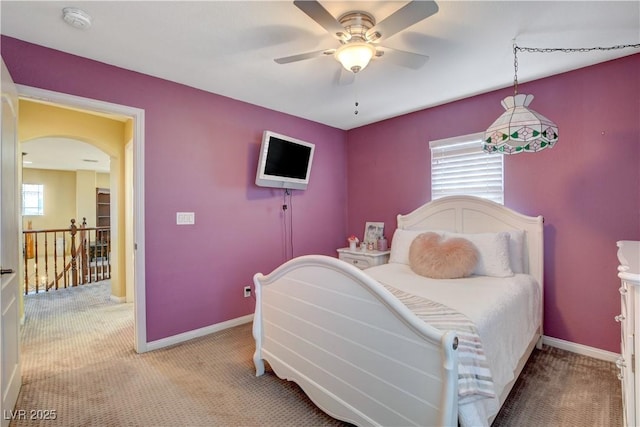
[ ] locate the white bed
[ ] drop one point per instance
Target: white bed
(362, 356)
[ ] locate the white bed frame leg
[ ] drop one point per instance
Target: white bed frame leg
(257, 355)
(259, 363)
(257, 328)
(539, 343)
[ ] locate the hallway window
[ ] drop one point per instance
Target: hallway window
(32, 199)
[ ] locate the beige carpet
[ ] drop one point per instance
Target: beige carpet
(78, 361)
(560, 388)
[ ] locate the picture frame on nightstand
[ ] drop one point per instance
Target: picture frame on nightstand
(373, 231)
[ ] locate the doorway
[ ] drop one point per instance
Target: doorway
(129, 177)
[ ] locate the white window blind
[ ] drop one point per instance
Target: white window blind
(459, 166)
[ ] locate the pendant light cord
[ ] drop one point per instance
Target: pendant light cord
(571, 50)
(517, 48)
(515, 69)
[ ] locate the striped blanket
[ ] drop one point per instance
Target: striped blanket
(474, 375)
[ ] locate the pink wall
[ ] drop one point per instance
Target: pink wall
(201, 153)
(586, 187)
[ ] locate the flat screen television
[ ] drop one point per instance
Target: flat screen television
(285, 162)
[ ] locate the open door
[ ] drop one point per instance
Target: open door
(10, 379)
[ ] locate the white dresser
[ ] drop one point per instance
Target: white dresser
(629, 318)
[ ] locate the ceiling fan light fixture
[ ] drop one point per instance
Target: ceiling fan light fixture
(355, 56)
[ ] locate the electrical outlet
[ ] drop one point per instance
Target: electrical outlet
(247, 291)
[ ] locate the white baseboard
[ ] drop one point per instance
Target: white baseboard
(584, 350)
(196, 333)
(119, 300)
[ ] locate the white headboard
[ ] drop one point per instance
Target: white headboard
(468, 214)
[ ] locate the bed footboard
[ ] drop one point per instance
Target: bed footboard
(356, 351)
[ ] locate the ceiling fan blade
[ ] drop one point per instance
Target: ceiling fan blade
(303, 56)
(411, 13)
(404, 59)
(319, 14)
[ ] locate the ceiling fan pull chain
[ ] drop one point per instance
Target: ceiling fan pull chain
(355, 89)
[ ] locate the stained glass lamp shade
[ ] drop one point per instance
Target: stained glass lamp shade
(519, 129)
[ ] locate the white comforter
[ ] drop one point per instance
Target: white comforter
(506, 312)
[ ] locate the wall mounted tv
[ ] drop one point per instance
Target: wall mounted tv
(284, 162)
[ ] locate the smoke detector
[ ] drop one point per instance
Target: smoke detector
(77, 18)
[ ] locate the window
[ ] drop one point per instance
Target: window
(459, 166)
(32, 199)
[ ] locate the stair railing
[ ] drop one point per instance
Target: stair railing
(64, 257)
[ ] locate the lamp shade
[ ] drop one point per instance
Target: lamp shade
(519, 129)
(355, 56)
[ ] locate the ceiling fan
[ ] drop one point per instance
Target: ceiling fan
(359, 34)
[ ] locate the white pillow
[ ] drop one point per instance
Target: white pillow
(401, 243)
(493, 251)
(516, 251)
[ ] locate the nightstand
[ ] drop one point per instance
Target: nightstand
(363, 259)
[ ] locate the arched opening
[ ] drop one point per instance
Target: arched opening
(64, 179)
(92, 149)
(132, 163)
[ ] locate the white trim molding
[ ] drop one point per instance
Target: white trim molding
(197, 333)
(140, 316)
(584, 350)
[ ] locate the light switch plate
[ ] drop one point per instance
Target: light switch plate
(185, 218)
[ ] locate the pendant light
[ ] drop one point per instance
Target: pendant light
(519, 128)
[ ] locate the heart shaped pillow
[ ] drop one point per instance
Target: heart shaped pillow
(431, 256)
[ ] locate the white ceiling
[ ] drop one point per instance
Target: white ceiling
(63, 154)
(228, 48)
